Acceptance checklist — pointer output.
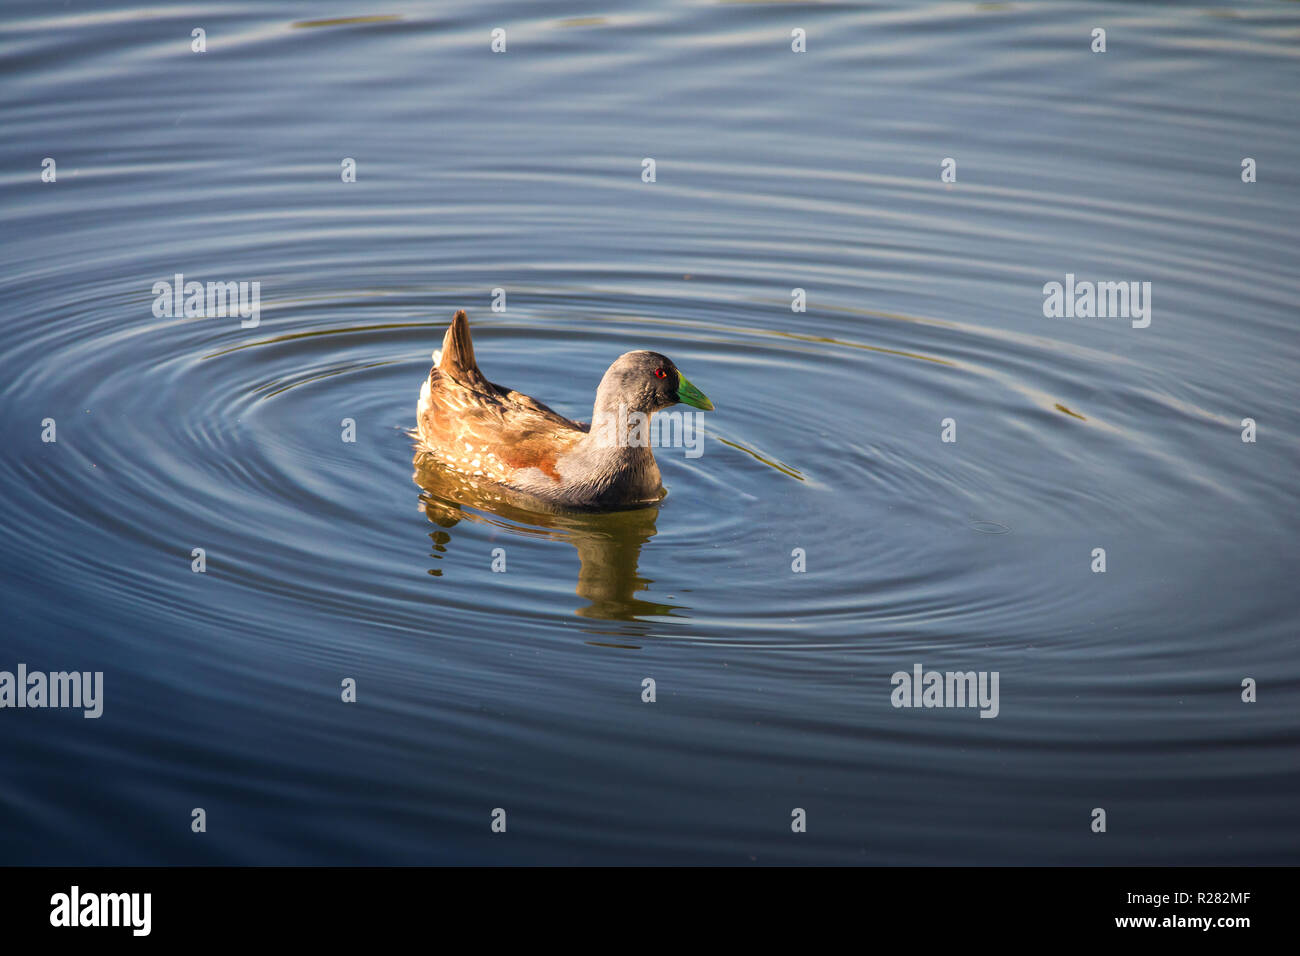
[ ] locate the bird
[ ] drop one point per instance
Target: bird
(496, 435)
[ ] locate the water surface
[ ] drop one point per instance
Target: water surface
(328, 559)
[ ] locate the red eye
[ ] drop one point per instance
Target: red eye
(660, 373)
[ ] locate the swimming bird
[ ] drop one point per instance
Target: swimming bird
(495, 434)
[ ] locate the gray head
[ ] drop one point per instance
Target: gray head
(646, 382)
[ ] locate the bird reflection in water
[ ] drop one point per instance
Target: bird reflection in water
(608, 543)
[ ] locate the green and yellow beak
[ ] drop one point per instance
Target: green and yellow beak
(688, 394)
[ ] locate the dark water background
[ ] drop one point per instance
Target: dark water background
(775, 170)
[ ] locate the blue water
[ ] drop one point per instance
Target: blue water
(774, 170)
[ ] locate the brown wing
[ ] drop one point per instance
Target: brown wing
(478, 427)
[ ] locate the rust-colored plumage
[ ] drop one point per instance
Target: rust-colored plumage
(486, 430)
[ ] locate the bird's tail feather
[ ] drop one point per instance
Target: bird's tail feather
(456, 357)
